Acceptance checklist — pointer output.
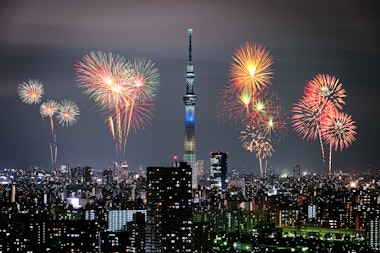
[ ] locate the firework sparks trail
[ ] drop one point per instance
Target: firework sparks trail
(111, 126)
(31, 92)
(251, 68)
(67, 113)
(264, 150)
(53, 150)
(49, 109)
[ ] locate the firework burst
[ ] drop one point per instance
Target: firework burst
(145, 79)
(123, 89)
(339, 131)
(31, 92)
(105, 77)
(254, 141)
(68, 113)
(48, 108)
(251, 68)
(233, 107)
(247, 102)
(269, 116)
(249, 137)
(317, 114)
(308, 115)
(262, 110)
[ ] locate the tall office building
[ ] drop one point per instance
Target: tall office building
(218, 169)
(120, 171)
(169, 210)
(81, 175)
(190, 100)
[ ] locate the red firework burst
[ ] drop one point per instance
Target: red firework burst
(339, 131)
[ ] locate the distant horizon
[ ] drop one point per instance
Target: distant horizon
(285, 171)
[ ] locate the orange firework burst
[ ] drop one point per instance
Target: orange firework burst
(105, 78)
(68, 113)
(248, 101)
(48, 108)
(251, 68)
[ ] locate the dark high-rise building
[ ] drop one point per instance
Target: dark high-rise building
(218, 169)
(169, 210)
(137, 229)
(202, 236)
(190, 100)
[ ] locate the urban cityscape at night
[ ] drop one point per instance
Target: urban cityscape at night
(189, 127)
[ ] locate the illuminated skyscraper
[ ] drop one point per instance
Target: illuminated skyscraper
(218, 169)
(190, 100)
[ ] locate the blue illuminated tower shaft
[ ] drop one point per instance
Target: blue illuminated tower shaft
(190, 100)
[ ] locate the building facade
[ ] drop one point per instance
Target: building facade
(169, 209)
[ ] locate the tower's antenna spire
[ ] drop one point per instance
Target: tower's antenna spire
(190, 35)
(190, 70)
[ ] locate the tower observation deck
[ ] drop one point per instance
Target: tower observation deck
(190, 100)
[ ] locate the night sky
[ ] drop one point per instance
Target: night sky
(44, 39)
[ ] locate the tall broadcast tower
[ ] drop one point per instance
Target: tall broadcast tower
(190, 99)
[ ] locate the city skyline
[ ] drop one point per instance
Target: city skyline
(43, 40)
